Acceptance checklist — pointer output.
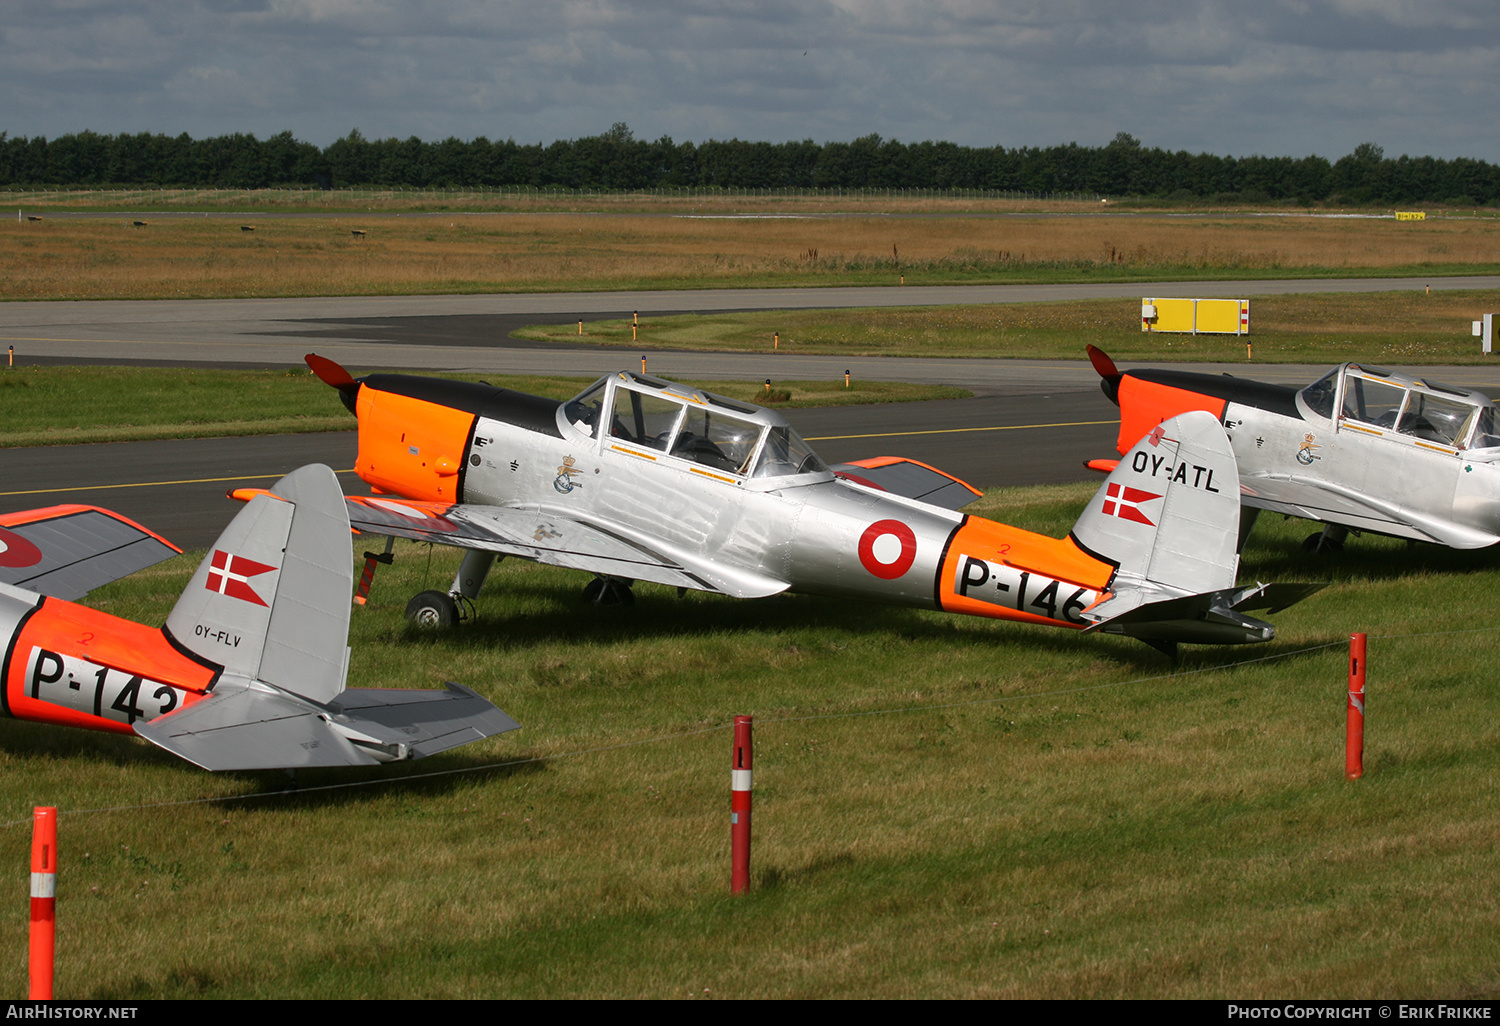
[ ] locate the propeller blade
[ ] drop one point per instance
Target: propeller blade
(1102, 363)
(1109, 374)
(331, 373)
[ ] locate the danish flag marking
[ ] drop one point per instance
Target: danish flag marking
(1125, 502)
(230, 575)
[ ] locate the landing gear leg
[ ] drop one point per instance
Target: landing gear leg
(471, 574)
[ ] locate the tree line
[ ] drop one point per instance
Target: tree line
(616, 160)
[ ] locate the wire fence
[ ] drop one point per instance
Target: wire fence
(729, 727)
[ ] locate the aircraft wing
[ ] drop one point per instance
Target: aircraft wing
(1329, 501)
(557, 537)
(67, 551)
(910, 478)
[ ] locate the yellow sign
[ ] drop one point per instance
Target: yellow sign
(1197, 316)
(1411, 215)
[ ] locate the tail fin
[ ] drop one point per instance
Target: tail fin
(1170, 511)
(270, 604)
(1168, 518)
(271, 599)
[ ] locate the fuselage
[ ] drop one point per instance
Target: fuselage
(78, 667)
(1362, 447)
(708, 478)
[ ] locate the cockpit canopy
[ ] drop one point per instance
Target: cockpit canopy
(715, 432)
(1411, 406)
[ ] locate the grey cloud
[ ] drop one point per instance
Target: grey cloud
(1283, 77)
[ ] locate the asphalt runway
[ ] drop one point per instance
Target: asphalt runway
(471, 332)
(1031, 421)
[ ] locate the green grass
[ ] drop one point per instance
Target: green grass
(945, 806)
(1398, 327)
(58, 405)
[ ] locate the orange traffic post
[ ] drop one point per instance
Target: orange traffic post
(43, 900)
(580, 325)
(846, 379)
(1354, 733)
(643, 365)
(776, 340)
(632, 332)
(739, 807)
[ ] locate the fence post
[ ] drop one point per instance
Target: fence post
(43, 901)
(739, 806)
(1354, 729)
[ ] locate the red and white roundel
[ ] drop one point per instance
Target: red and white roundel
(887, 549)
(17, 551)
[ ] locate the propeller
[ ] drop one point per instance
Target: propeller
(331, 373)
(1107, 371)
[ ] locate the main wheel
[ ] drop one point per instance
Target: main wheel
(609, 591)
(432, 609)
(1320, 542)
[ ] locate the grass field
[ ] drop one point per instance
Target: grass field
(1397, 327)
(205, 257)
(945, 807)
(70, 405)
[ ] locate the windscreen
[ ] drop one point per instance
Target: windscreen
(786, 453)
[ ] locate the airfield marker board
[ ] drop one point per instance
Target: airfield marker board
(1196, 316)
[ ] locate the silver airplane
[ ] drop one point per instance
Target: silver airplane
(1361, 448)
(248, 672)
(637, 478)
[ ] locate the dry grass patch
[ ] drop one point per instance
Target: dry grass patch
(171, 257)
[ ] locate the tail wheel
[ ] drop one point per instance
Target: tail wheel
(433, 609)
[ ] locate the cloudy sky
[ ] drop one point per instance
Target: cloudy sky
(1277, 77)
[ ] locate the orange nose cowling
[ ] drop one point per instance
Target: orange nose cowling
(410, 447)
(1145, 404)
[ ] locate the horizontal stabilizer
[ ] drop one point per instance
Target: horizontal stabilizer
(1273, 598)
(427, 722)
(260, 728)
(67, 551)
(1211, 618)
(253, 729)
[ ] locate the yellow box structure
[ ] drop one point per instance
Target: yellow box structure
(1411, 215)
(1196, 316)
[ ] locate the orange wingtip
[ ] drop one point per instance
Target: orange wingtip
(1102, 466)
(246, 494)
